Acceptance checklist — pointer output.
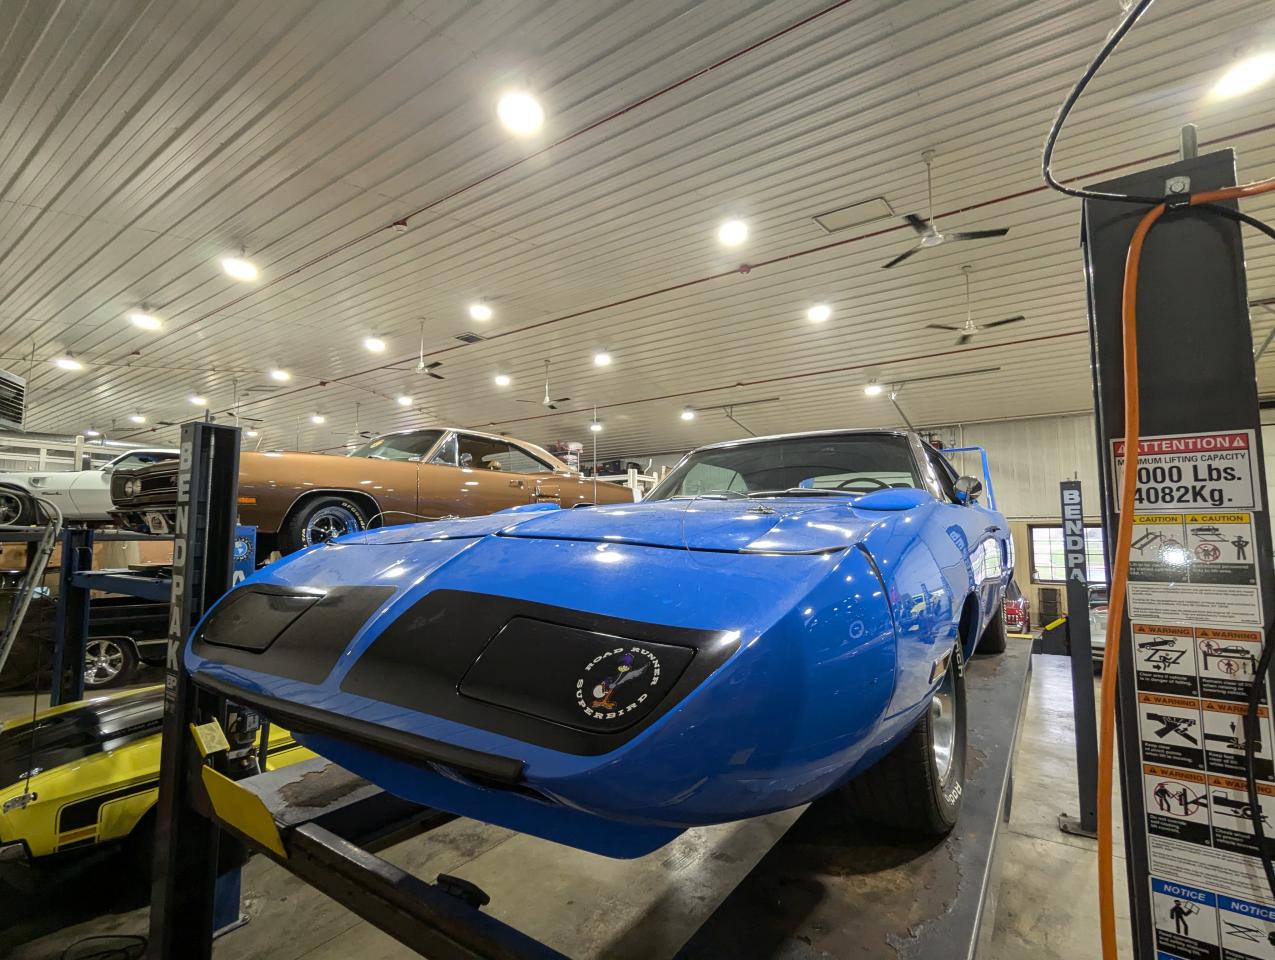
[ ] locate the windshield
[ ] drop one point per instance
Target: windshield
(399, 446)
(849, 464)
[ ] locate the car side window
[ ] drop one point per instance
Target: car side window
(520, 461)
(446, 455)
(139, 459)
(943, 471)
(480, 453)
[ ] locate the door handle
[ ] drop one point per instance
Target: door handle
(994, 528)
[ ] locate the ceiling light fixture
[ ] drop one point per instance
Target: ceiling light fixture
(596, 426)
(280, 375)
(688, 413)
(873, 388)
(1245, 76)
(502, 379)
(404, 401)
(197, 400)
(374, 344)
(602, 359)
(520, 112)
(145, 321)
(136, 418)
(252, 433)
(67, 361)
(237, 268)
(90, 432)
(819, 313)
(318, 419)
(732, 233)
(479, 311)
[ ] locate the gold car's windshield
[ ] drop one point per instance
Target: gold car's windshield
(399, 446)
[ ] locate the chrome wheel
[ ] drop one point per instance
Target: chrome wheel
(103, 661)
(943, 720)
(10, 508)
(329, 522)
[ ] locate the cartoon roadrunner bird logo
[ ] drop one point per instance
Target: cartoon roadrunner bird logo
(616, 672)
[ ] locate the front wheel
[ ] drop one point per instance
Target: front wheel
(993, 639)
(320, 520)
(917, 787)
(108, 662)
(17, 508)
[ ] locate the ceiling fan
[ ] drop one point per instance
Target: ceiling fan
(927, 230)
(428, 368)
(966, 332)
(547, 401)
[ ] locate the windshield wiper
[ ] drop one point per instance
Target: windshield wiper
(803, 492)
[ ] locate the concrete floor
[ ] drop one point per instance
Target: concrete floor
(1047, 907)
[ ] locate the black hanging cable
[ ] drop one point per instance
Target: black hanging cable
(1252, 735)
(1108, 48)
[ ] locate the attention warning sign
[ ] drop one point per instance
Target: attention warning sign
(1192, 471)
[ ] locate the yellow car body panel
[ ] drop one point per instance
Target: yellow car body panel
(102, 796)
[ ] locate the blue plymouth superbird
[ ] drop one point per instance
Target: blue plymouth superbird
(782, 618)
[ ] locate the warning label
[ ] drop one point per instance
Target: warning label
(1228, 663)
(1194, 568)
(1177, 803)
(1232, 814)
(1224, 739)
(1166, 659)
(1193, 471)
(1170, 729)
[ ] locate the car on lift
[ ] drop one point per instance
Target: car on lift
(83, 496)
(782, 619)
(86, 774)
(296, 500)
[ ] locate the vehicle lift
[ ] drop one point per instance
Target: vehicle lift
(322, 823)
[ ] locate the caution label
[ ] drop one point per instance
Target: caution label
(1192, 471)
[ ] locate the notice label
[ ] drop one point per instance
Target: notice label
(1192, 471)
(1248, 929)
(1186, 920)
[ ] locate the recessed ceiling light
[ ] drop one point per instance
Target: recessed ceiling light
(595, 426)
(480, 311)
(136, 418)
(252, 433)
(374, 344)
(502, 379)
(732, 233)
(819, 313)
(1245, 76)
(280, 375)
(197, 400)
(520, 112)
(602, 359)
(318, 419)
(67, 361)
(90, 432)
(405, 401)
(237, 268)
(145, 321)
(873, 389)
(688, 413)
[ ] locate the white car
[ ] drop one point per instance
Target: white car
(81, 495)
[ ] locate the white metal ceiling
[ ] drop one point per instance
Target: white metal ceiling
(140, 140)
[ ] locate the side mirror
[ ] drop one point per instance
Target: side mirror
(466, 459)
(968, 489)
(108, 469)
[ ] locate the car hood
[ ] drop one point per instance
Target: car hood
(779, 525)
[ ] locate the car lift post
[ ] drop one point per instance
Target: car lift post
(1080, 651)
(184, 871)
(1197, 380)
(71, 624)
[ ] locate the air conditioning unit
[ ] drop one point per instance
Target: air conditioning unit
(13, 400)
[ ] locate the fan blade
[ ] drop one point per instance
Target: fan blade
(552, 406)
(518, 400)
(941, 326)
(963, 339)
(977, 234)
(901, 257)
(434, 365)
(436, 376)
(1001, 323)
(560, 400)
(918, 223)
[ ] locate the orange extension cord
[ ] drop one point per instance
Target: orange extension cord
(1124, 532)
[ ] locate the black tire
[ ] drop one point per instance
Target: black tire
(993, 638)
(907, 789)
(109, 662)
(319, 520)
(17, 508)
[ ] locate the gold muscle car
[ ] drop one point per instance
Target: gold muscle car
(298, 499)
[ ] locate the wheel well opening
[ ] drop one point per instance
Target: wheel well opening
(366, 504)
(969, 624)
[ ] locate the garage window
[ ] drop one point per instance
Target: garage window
(1048, 565)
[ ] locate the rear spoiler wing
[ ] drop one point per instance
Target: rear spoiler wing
(987, 470)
